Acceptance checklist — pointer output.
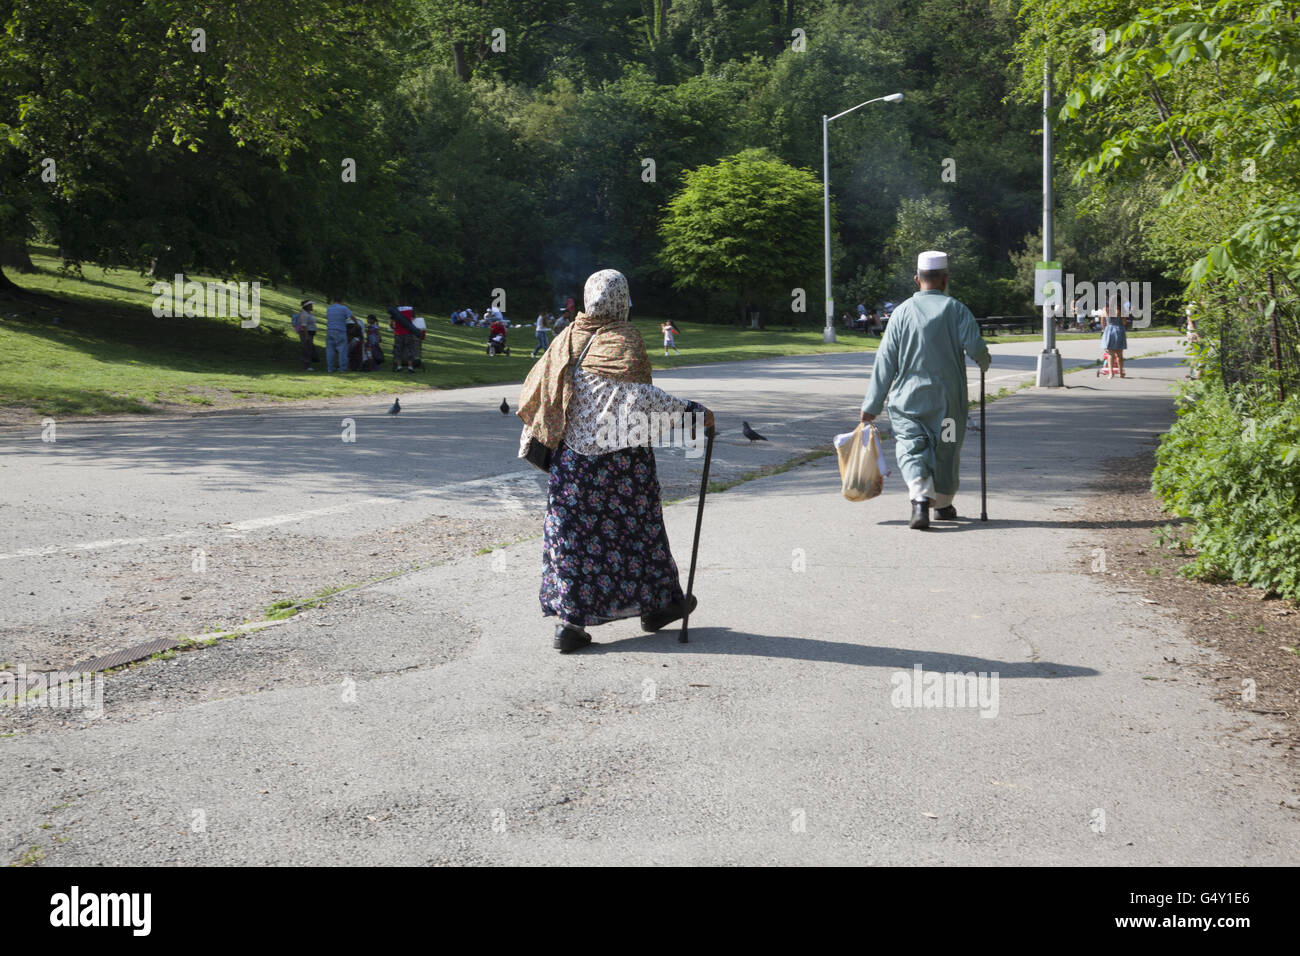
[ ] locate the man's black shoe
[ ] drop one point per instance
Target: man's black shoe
(920, 516)
(661, 618)
(946, 513)
(570, 638)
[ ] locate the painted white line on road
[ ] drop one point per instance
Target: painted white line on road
(508, 486)
(88, 546)
(505, 486)
(273, 520)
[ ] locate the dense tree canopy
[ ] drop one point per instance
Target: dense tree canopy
(506, 144)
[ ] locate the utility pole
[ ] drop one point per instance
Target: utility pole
(828, 334)
(1049, 359)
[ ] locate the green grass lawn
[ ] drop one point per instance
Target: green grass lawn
(109, 354)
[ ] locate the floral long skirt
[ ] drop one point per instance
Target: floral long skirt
(605, 552)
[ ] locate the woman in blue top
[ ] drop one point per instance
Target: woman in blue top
(1113, 339)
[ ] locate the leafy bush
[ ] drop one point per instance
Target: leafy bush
(1231, 463)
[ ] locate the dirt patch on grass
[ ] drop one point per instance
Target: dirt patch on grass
(1255, 667)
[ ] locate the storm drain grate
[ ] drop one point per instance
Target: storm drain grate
(9, 689)
(127, 656)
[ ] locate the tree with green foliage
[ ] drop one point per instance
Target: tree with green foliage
(518, 167)
(927, 224)
(1207, 95)
(171, 129)
(750, 225)
(1197, 102)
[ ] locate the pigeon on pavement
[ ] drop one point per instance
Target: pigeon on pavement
(752, 435)
(505, 407)
(397, 407)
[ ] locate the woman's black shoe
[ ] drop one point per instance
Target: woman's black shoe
(569, 638)
(920, 515)
(661, 618)
(946, 513)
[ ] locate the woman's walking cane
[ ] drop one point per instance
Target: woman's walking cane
(695, 546)
(984, 498)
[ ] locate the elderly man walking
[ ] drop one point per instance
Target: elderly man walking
(921, 367)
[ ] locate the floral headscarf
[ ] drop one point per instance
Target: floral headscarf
(618, 352)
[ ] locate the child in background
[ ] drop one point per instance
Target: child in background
(374, 353)
(1113, 339)
(670, 337)
(304, 323)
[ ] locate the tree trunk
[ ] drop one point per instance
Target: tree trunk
(458, 61)
(7, 285)
(13, 253)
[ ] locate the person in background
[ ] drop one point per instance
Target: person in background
(543, 331)
(356, 344)
(336, 335)
(670, 337)
(304, 323)
(374, 339)
(1113, 339)
(406, 337)
(421, 330)
(403, 344)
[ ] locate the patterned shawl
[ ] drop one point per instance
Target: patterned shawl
(618, 352)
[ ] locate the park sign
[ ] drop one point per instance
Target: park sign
(1047, 284)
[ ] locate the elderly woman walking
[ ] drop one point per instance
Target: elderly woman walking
(605, 553)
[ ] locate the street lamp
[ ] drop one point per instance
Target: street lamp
(829, 334)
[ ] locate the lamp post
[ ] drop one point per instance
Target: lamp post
(1049, 359)
(829, 334)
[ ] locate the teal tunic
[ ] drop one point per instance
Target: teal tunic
(921, 366)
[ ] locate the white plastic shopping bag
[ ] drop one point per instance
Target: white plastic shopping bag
(863, 467)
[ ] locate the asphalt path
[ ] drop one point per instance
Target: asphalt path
(105, 495)
(777, 735)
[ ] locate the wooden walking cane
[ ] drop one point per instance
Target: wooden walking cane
(695, 545)
(984, 498)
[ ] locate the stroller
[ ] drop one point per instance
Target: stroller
(496, 343)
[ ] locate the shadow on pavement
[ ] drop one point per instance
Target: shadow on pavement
(964, 523)
(723, 640)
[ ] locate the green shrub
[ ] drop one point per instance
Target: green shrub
(1231, 463)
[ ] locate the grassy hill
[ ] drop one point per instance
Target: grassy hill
(108, 353)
